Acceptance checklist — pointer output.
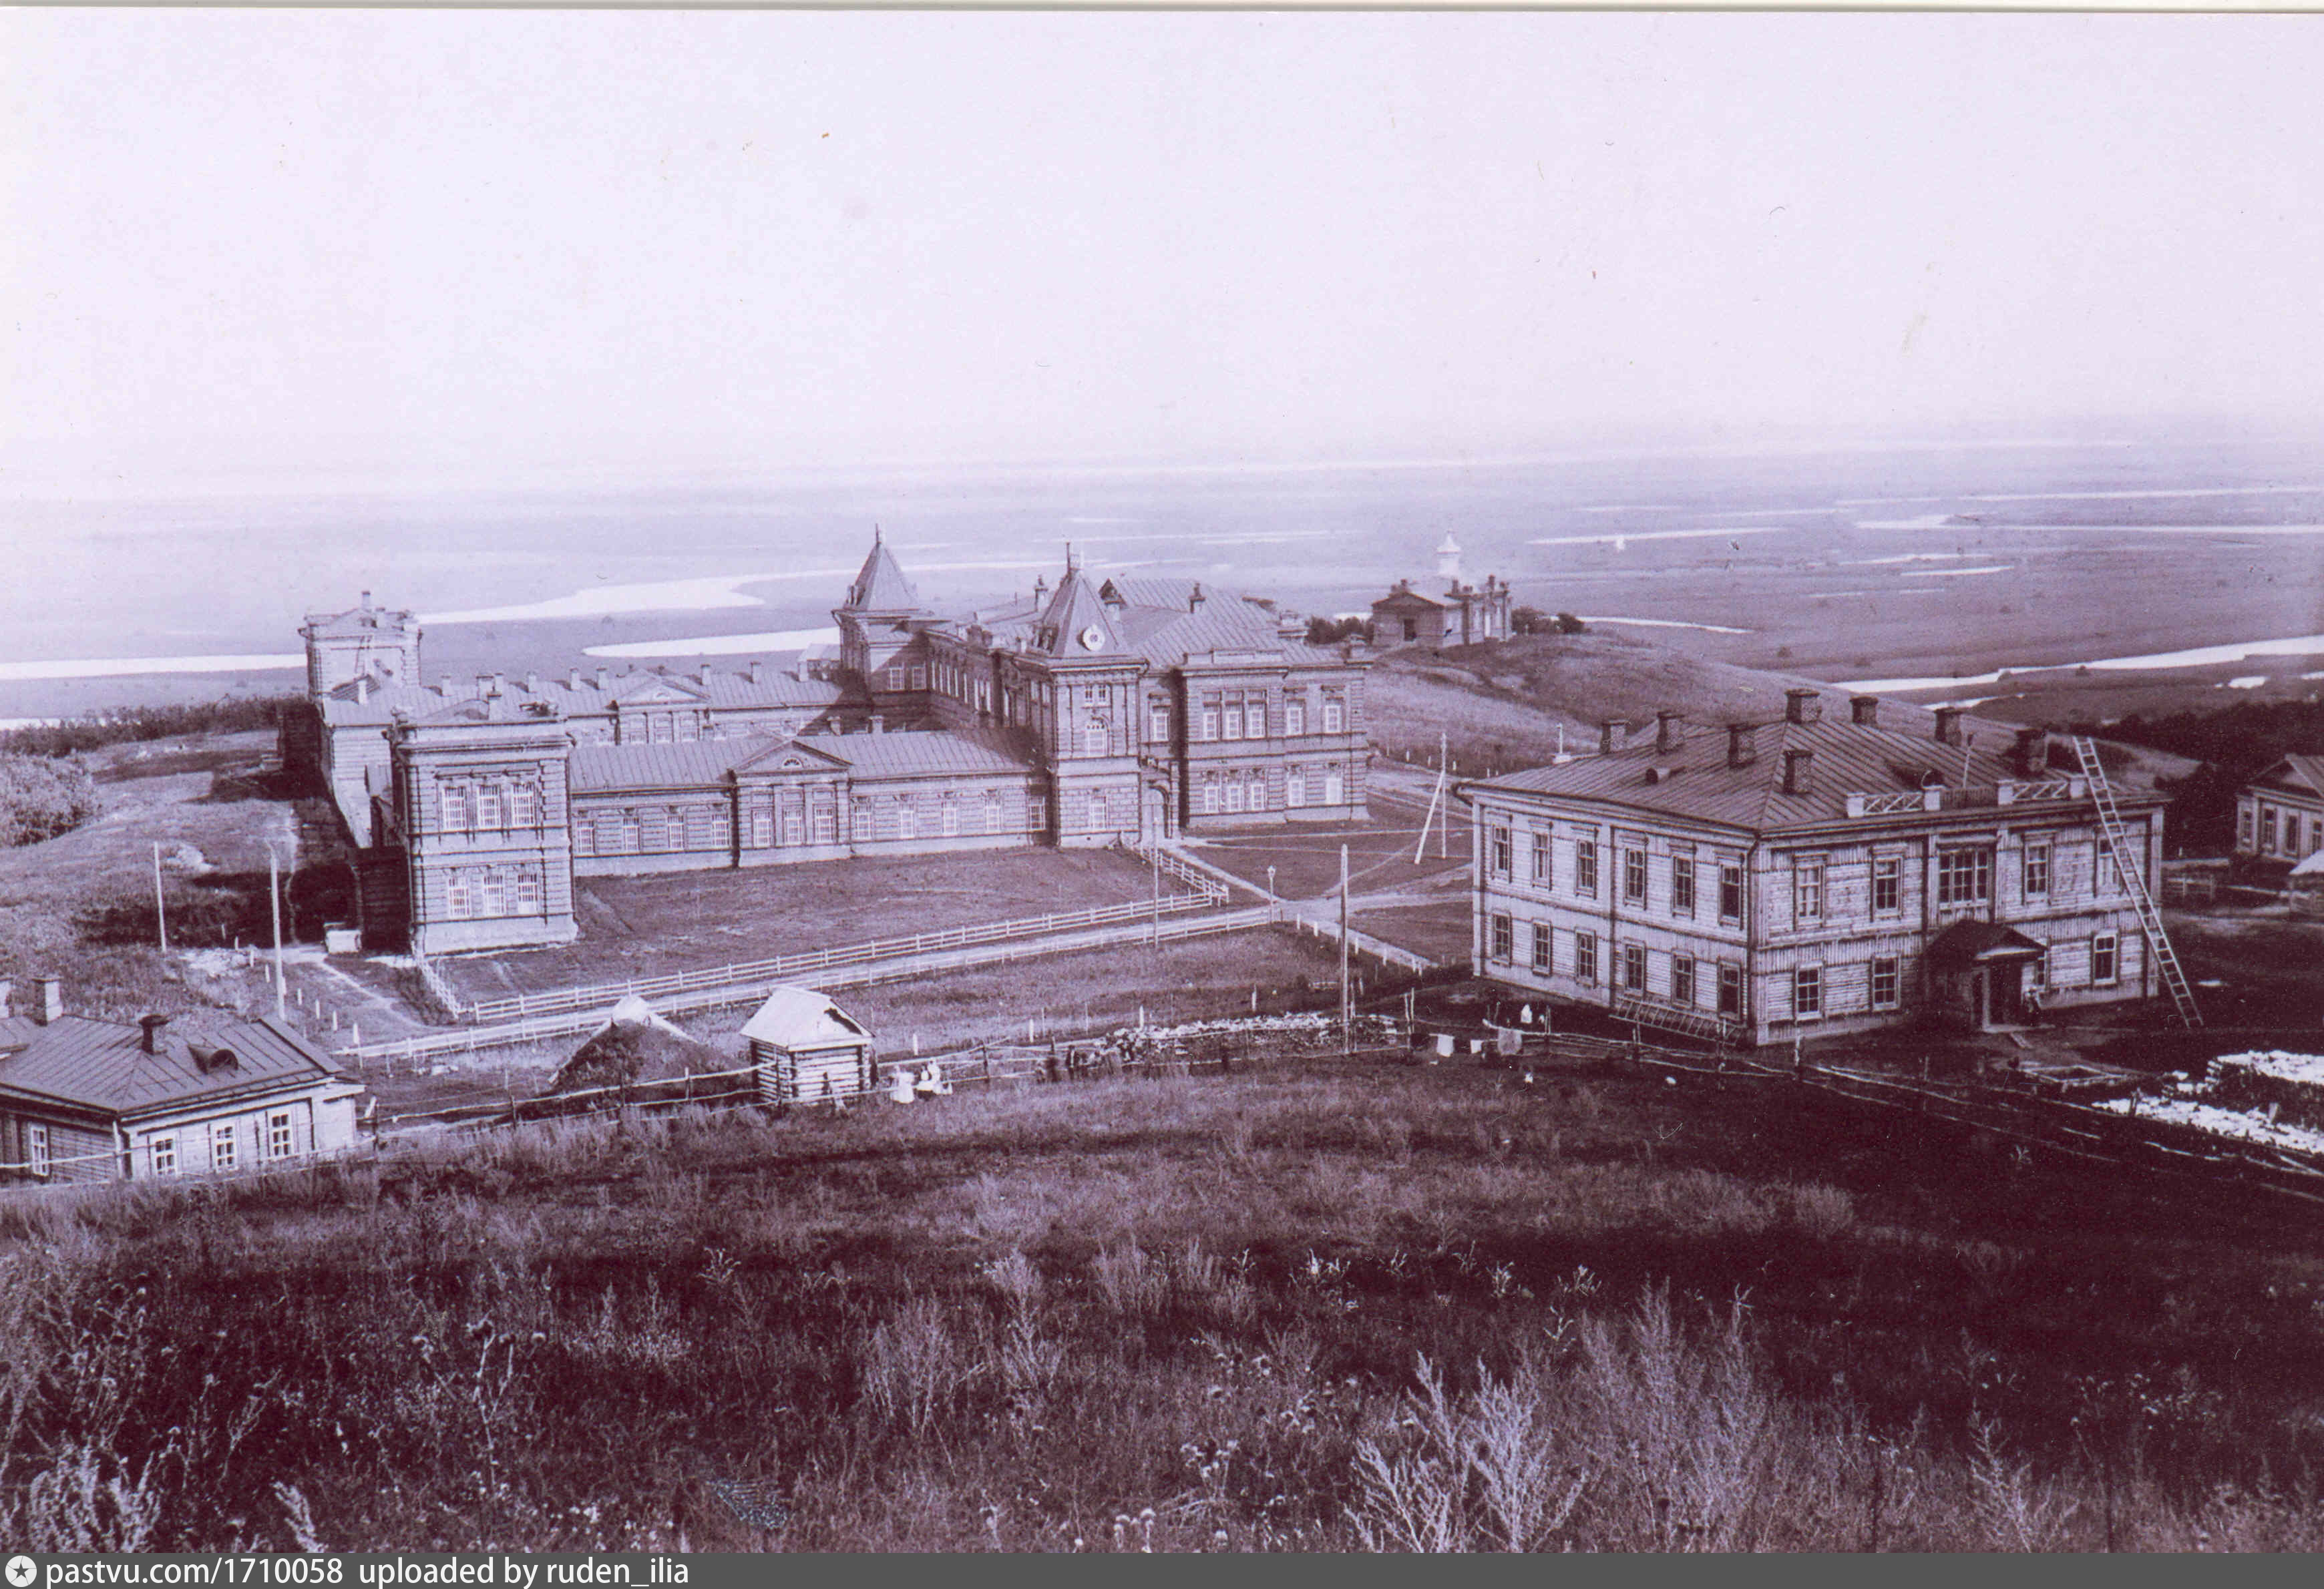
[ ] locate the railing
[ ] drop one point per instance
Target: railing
(2007, 793)
(1173, 865)
(788, 967)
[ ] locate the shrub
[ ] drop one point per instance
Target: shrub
(41, 798)
(124, 724)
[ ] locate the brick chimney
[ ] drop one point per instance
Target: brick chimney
(532, 684)
(1742, 744)
(1799, 771)
(605, 677)
(152, 1024)
(572, 679)
(1802, 705)
(707, 670)
(1194, 598)
(2031, 753)
(1670, 730)
(757, 670)
(48, 1000)
(1611, 736)
(1864, 710)
(1948, 729)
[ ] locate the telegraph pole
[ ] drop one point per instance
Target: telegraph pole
(1347, 1010)
(274, 904)
(1154, 842)
(160, 910)
(1445, 824)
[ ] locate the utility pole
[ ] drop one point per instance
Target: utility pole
(274, 902)
(161, 911)
(1444, 824)
(1346, 1012)
(1156, 853)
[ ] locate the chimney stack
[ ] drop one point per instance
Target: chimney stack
(2031, 753)
(1864, 710)
(151, 1041)
(1802, 705)
(531, 682)
(1670, 730)
(1949, 729)
(707, 670)
(1194, 598)
(605, 677)
(572, 680)
(1611, 735)
(1742, 744)
(49, 993)
(363, 688)
(757, 670)
(1799, 771)
(6, 1009)
(367, 600)
(879, 723)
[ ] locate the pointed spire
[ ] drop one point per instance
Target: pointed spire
(1077, 622)
(881, 586)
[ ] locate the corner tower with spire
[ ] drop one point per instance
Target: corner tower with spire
(878, 640)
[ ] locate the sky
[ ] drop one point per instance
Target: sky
(486, 246)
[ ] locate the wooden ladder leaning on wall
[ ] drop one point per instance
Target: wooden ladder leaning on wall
(2134, 878)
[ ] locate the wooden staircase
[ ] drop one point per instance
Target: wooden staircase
(2134, 879)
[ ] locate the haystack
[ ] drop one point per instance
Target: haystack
(634, 1047)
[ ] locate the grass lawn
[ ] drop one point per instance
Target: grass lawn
(1306, 859)
(1440, 932)
(81, 905)
(1199, 1313)
(646, 926)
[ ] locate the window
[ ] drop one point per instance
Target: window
(1544, 868)
(920, 678)
(908, 819)
(222, 1144)
(1210, 717)
(1807, 991)
(2243, 827)
(1585, 867)
(895, 678)
(826, 823)
(1964, 877)
(1682, 980)
(762, 828)
(1541, 946)
(1634, 967)
(454, 808)
(528, 889)
(278, 1134)
(1233, 792)
(2037, 870)
(1158, 724)
(1502, 861)
(36, 1147)
(1633, 876)
(1883, 985)
(1294, 716)
(1210, 796)
(1887, 895)
(794, 826)
(2105, 959)
(1730, 891)
(1730, 991)
(495, 891)
(1585, 956)
(951, 818)
(524, 806)
(1335, 790)
(488, 806)
(660, 728)
(1335, 715)
(1232, 719)
(1681, 884)
(1258, 790)
(1093, 739)
(457, 900)
(163, 1153)
(1294, 786)
(632, 834)
(1504, 939)
(992, 814)
(1807, 889)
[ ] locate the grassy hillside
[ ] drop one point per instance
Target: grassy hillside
(1312, 1308)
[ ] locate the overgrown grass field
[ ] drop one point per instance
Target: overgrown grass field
(1325, 1306)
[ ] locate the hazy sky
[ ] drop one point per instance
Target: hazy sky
(445, 246)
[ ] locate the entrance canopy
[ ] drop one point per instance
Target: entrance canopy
(1965, 944)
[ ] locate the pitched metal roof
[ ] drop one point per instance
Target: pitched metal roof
(692, 764)
(879, 585)
(724, 688)
(1694, 781)
(357, 620)
(909, 753)
(102, 1065)
(1077, 622)
(2308, 769)
(1969, 944)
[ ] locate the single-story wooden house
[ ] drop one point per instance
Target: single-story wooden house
(807, 1050)
(84, 1099)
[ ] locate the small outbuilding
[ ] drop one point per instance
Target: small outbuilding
(2305, 889)
(807, 1050)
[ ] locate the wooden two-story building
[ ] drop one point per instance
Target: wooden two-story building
(1808, 877)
